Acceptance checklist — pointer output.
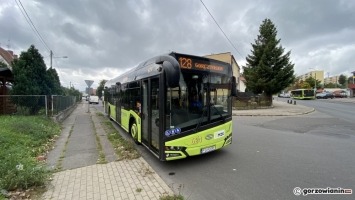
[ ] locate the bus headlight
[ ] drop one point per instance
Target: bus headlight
(169, 155)
(174, 148)
(228, 140)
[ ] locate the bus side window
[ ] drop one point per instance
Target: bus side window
(138, 107)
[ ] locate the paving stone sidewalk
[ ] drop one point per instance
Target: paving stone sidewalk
(128, 179)
(75, 152)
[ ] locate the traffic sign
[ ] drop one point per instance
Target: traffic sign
(89, 83)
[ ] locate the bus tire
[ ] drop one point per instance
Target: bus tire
(133, 130)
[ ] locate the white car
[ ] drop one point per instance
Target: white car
(287, 95)
(284, 95)
(94, 99)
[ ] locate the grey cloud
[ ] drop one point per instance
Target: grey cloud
(116, 35)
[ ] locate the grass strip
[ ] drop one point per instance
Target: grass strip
(23, 139)
(123, 148)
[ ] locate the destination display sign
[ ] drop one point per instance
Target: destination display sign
(200, 64)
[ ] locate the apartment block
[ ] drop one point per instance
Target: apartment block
(317, 74)
(333, 79)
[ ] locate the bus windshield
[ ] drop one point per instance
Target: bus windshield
(200, 98)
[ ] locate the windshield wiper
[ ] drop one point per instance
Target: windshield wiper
(220, 114)
(201, 118)
(203, 113)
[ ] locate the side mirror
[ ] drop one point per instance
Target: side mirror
(234, 87)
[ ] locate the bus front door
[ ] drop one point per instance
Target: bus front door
(150, 111)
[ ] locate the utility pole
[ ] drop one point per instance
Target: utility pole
(315, 79)
(51, 55)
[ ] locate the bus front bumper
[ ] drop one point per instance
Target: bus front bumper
(193, 151)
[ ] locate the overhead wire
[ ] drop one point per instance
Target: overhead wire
(33, 27)
(230, 42)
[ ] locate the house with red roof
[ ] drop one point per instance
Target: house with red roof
(6, 78)
(6, 57)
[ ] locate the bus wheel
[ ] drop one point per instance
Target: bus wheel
(134, 132)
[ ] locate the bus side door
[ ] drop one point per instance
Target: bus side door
(150, 117)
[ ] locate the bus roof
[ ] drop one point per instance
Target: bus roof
(167, 63)
(151, 67)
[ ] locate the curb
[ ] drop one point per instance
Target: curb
(286, 114)
(62, 115)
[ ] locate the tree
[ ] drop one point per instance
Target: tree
(268, 69)
(100, 88)
(295, 85)
(311, 81)
(330, 85)
(54, 82)
(30, 78)
(306, 85)
(342, 80)
(30, 74)
(72, 92)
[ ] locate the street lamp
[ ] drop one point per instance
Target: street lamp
(315, 79)
(51, 55)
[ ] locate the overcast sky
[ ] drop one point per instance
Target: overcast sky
(102, 39)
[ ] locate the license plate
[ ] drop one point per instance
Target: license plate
(208, 149)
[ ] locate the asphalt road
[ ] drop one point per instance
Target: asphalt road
(270, 156)
(333, 107)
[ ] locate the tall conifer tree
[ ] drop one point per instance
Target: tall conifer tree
(268, 69)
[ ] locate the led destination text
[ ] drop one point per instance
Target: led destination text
(187, 63)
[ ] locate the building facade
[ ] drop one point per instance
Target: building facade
(7, 56)
(317, 74)
(229, 58)
(351, 85)
(333, 79)
(6, 78)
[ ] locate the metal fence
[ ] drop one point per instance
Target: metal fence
(60, 103)
(35, 104)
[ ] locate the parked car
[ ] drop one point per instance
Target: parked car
(340, 94)
(94, 99)
(325, 95)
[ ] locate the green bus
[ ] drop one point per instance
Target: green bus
(152, 102)
(303, 94)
